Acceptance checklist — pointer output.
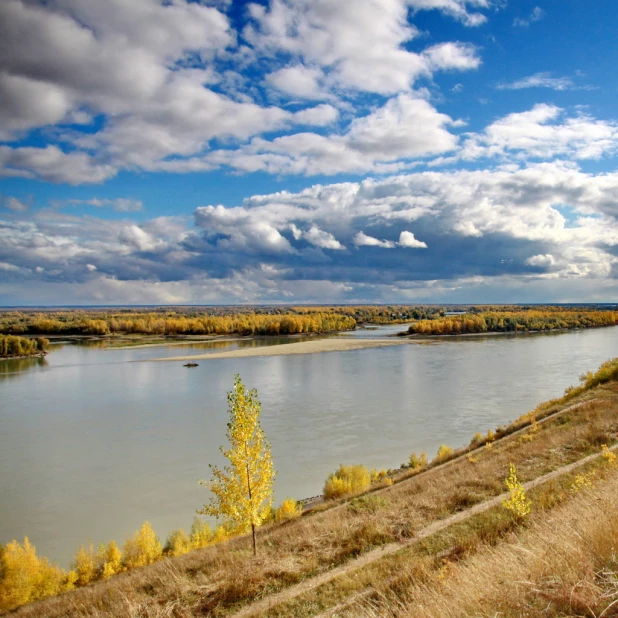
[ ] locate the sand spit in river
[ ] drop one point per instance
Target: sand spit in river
(301, 347)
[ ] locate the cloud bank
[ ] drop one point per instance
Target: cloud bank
(410, 236)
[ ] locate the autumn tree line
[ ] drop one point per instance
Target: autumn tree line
(171, 323)
(514, 321)
(244, 321)
(27, 577)
(11, 345)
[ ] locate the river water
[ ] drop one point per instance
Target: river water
(92, 445)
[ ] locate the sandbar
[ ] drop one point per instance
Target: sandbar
(165, 344)
(300, 347)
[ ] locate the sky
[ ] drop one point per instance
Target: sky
(308, 151)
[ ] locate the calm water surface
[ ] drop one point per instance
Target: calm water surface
(92, 445)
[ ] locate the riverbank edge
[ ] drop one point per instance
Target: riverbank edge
(37, 355)
(170, 340)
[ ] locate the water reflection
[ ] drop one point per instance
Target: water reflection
(80, 350)
(12, 367)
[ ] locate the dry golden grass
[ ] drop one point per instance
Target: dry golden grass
(219, 580)
(428, 558)
(562, 565)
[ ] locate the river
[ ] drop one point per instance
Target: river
(92, 445)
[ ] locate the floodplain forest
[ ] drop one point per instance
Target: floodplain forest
(171, 323)
(246, 321)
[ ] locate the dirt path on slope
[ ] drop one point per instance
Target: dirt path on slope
(386, 550)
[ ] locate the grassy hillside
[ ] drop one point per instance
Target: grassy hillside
(439, 536)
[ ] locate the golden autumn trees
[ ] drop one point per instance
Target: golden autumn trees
(524, 320)
(172, 323)
(25, 577)
(243, 490)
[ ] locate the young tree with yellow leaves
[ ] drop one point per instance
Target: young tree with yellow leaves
(243, 491)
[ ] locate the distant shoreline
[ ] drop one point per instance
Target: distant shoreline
(493, 333)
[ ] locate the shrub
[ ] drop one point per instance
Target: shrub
(416, 462)
(517, 502)
(289, 509)
(444, 452)
(376, 476)
(367, 504)
(477, 439)
(346, 481)
(608, 456)
(607, 372)
(178, 543)
(42, 344)
(581, 481)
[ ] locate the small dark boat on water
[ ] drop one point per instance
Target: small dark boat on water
(191, 365)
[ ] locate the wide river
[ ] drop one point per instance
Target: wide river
(92, 445)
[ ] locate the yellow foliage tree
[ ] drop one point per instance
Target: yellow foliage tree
(109, 559)
(243, 491)
(84, 564)
(444, 452)
(221, 533)
(201, 534)
(144, 548)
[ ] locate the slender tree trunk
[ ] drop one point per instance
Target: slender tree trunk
(250, 500)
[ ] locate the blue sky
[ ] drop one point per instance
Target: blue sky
(307, 151)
